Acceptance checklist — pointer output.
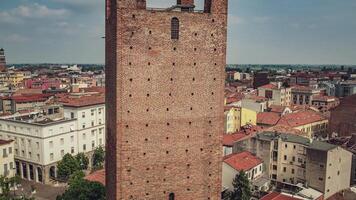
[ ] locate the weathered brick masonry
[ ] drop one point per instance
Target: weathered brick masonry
(164, 101)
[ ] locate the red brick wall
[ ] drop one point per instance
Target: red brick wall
(165, 103)
(342, 119)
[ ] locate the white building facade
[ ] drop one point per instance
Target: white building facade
(38, 146)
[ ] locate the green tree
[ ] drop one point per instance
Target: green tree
(98, 158)
(76, 177)
(242, 189)
(6, 184)
(67, 166)
(80, 189)
(82, 160)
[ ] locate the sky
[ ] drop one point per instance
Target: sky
(259, 31)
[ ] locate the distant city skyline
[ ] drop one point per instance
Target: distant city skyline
(260, 32)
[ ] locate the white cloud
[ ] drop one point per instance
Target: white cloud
(39, 11)
(32, 11)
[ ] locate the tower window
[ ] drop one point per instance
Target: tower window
(171, 196)
(174, 28)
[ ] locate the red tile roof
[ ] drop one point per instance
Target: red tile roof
(286, 129)
(243, 134)
(277, 108)
(29, 98)
(257, 98)
(268, 118)
(82, 101)
(269, 86)
(97, 176)
(301, 88)
(324, 98)
(278, 196)
(300, 118)
(95, 89)
(230, 100)
(242, 161)
(229, 140)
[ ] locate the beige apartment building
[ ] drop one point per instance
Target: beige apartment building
(7, 166)
(303, 95)
(293, 159)
(279, 95)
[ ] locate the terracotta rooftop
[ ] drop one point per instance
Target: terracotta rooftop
(300, 118)
(277, 108)
(242, 161)
(82, 101)
(230, 100)
(97, 176)
(268, 118)
(278, 196)
(244, 133)
(286, 129)
(28, 98)
(95, 89)
(257, 98)
(324, 98)
(269, 86)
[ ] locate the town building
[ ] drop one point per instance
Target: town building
(165, 71)
(303, 79)
(22, 102)
(345, 88)
(241, 76)
(325, 103)
(7, 161)
(260, 79)
(42, 83)
(349, 143)
(232, 119)
(2, 60)
(328, 87)
(310, 122)
(245, 161)
(255, 103)
(42, 138)
(239, 141)
(11, 78)
(277, 93)
(292, 159)
(303, 95)
(248, 117)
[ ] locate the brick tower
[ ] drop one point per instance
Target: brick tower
(165, 91)
(2, 60)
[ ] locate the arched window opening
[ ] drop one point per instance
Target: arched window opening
(174, 28)
(171, 196)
